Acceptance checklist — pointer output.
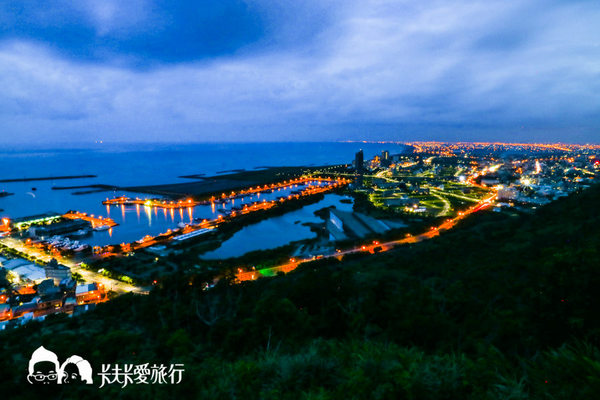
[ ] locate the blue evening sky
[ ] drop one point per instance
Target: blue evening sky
(299, 70)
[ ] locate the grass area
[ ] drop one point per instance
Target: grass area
(443, 200)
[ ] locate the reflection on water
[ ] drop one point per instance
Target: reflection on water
(128, 165)
(277, 231)
(133, 223)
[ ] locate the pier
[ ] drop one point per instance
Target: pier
(95, 221)
(126, 201)
(205, 226)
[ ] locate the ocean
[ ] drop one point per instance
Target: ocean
(145, 164)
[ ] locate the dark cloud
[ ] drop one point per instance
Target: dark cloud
(311, 70)
(135, 30)
(147, 33)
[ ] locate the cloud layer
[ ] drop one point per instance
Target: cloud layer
(236, 70)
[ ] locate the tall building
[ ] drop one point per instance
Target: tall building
(359, 161)
(359, 168)
(385, 158)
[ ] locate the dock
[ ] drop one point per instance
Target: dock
(95, 221)
(127, 201)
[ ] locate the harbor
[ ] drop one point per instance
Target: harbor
(130, 224)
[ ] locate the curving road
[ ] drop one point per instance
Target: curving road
(370, 248)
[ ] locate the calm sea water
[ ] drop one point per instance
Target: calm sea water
(277, 231)
(143, 164)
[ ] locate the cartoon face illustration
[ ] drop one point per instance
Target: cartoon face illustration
(75, 370)
(71, 374)
(43, 367)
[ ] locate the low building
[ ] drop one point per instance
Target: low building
(59, 228)
(46, 287)
(26, 308)
(343, 225)
(336, 232)
(67, 285)
(51, 301)
(24, 222)
(57, 272)
(91, 292)
(14, 263)
(69, 305)
(30, 272)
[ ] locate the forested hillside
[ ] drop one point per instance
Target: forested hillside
(501, 307)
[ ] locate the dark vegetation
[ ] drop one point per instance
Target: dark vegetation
(499, 308)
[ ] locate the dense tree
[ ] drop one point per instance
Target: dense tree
(500, 307)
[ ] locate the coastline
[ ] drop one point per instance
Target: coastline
(210, 185)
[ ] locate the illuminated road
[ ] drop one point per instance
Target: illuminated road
(447, 207)
(123, 287)
(381, 175)
(458, 196)
(88, 276)
(370, 248)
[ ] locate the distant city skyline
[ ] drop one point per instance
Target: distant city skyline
(236, 71)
